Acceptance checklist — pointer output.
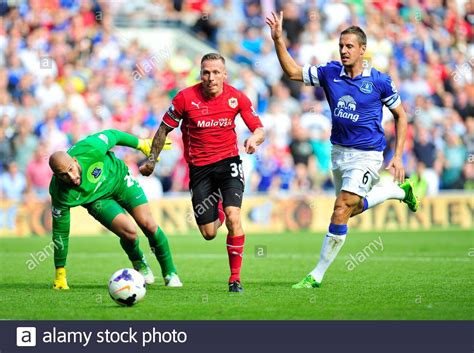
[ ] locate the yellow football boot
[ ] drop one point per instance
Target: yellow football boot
(60, 283)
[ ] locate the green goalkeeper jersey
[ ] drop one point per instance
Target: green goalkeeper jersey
(101, 173)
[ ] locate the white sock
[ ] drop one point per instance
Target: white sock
(331, 245)
(380, 193)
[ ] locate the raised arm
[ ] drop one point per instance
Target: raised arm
(289, 66)
(396, 163)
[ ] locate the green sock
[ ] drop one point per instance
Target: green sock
(132, 249)
(159, 245)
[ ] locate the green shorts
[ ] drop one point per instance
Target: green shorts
(128, 195)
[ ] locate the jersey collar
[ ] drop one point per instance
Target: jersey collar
(365, 73)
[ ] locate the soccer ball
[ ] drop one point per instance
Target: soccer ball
(127, 287)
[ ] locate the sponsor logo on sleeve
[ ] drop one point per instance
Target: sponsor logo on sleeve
(254, 113)
(104, 138)
(55, 212)
(394, 89)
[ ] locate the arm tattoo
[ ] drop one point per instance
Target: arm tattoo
(159, 141)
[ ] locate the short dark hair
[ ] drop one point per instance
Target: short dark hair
(361, 37)
(213, 56)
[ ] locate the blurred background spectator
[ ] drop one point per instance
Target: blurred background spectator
(12, 188)
(65, 72)
(38, 174)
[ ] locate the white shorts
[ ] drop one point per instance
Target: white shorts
(355, 170)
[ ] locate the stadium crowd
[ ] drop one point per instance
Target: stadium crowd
(65, 73)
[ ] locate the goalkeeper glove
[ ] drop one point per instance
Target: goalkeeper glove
(144, 145)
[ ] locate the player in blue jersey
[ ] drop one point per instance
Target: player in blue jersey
(355, 95)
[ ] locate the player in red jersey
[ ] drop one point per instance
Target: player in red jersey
(207, 114)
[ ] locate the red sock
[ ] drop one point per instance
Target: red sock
(235, 250)
(220, 211)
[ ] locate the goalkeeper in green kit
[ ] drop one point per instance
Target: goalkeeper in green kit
(89, 175)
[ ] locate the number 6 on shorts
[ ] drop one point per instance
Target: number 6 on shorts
(365, 178)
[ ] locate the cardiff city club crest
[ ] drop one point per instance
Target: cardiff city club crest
(233, 102)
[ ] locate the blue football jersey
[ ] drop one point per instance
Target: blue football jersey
(356, 103)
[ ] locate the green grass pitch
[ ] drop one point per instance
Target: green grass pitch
(417, 275)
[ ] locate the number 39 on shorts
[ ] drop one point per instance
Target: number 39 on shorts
(236, 170)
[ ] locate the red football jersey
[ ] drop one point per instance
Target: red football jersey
(208, 125)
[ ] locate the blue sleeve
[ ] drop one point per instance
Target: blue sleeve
(315, 75)
(388, 92)
(322, 75)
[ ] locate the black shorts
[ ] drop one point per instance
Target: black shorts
(223, 180)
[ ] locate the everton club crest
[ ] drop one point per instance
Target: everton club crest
(367, 87)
